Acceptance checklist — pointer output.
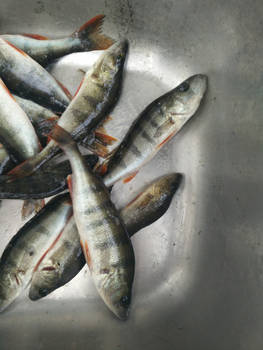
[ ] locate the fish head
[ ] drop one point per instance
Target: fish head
(115, 289)
(111, 63)
(185, 99)
(169, 183)
(44, 281)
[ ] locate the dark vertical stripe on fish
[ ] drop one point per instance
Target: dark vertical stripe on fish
(147, 137)
(135, 150)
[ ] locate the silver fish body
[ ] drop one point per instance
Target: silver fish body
(44, 50)
(66, 259)
(103, 236)
(16, 131)
(156, 125)
(42, 119)
(28, 246)
(28, 79)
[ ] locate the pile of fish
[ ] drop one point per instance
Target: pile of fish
(40, 124)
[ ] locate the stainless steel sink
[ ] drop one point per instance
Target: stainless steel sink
(199, 269)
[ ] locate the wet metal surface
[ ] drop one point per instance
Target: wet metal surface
(199, 269)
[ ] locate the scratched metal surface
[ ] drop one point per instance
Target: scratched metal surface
(199, 269)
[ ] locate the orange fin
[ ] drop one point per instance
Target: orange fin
(130, 177)
(35, 36)
(166, 140)
(102, 169)
(52, 119)
(69, 181)
(17, 49)
(87, 255)
(21, 170)
(101, 135)
(51, 246)
(90, 35)
(6, 89)
(63, 87)
(98, 149)
(79, 87)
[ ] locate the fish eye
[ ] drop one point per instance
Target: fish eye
(183, 87)
(125, 301)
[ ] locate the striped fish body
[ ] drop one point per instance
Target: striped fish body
(28, 79)
(28, 246)
(66, 259)
(97, 94)
(16, 131)
(44, 50)
(103, 236)
(157, 124)
(104, 240)
(60, 265)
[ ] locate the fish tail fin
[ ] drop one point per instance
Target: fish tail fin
(30, 165)
(97, 148)
(90, 34)
(63, 139)
(31, 206)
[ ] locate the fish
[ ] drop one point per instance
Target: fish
(26, 78)
(104, 239)
(48, 181)
(18, 136)
(97, 95)
(44, 50)
(28, 246)
(16, 131)
(42, 119)
(153, 128)
(151, 203)
(64, 261)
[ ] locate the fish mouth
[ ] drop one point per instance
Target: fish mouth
(122, 313)
(37, 293)
(199, 83)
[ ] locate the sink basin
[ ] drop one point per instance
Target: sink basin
(199, 269)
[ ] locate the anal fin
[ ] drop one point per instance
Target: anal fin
(130, 177)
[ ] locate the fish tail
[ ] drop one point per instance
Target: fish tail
(63, 139)
(30, 165)
(31, 206)
(90, 35)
